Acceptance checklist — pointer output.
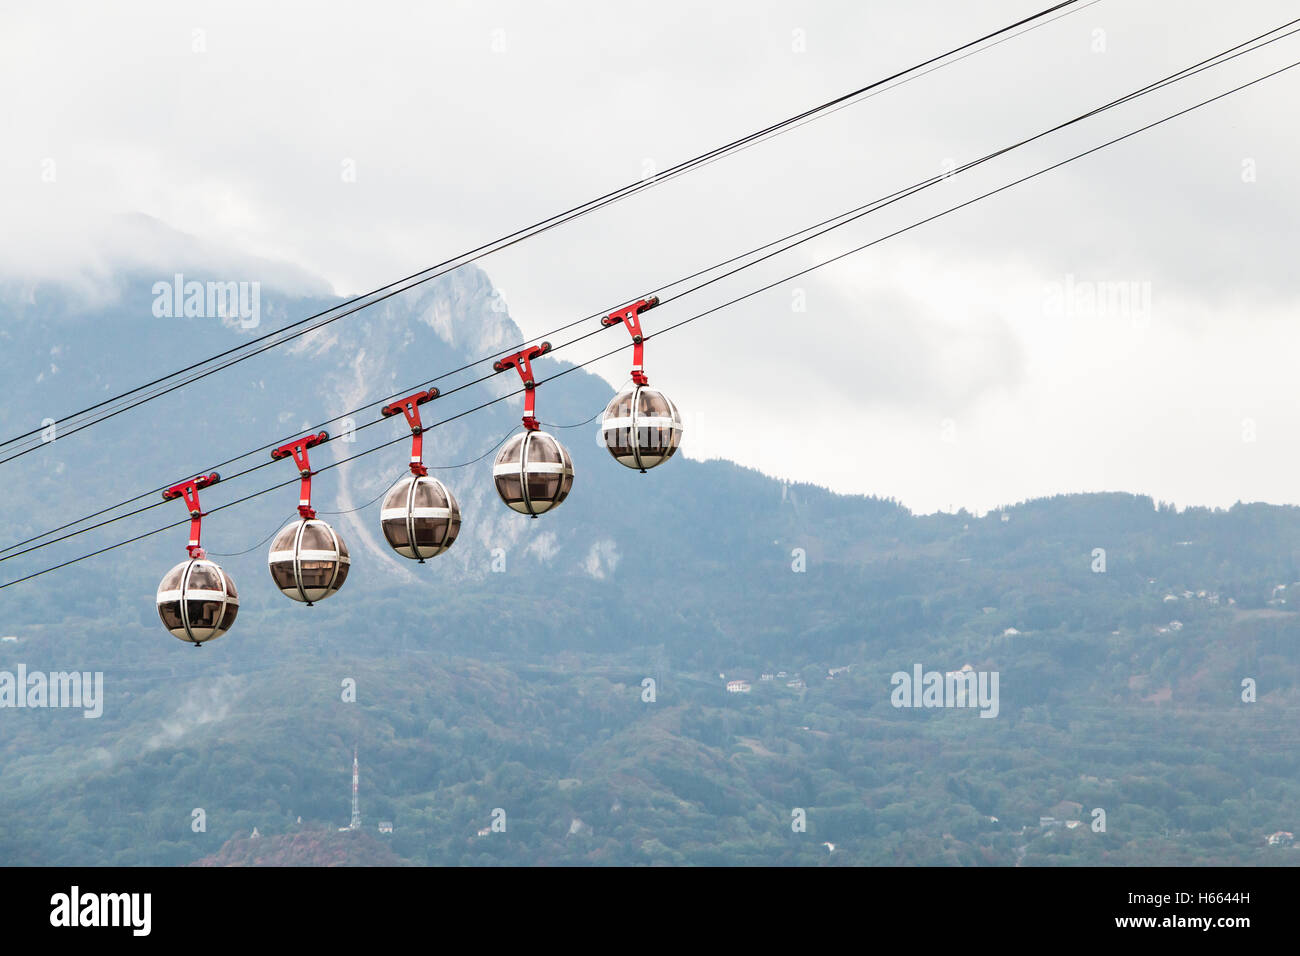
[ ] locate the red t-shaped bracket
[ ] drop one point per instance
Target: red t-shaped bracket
(523, 362)
(189, 490)
(298, 449)
(630, 316)
(410, 407)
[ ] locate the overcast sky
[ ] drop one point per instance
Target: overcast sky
(963, 364)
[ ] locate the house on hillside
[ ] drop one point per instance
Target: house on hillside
(738, 687)
(385, 826)
(1280, 838)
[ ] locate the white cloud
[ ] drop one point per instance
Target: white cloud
(244, 146)
(207, 703)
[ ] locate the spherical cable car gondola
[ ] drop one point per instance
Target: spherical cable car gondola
(533, 472)
(308, 560)
(641, 426)
(419, 517)
(197, 601)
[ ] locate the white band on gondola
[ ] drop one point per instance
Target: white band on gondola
(390, 514)
(310, 555)
(533, 468)
(206, 594)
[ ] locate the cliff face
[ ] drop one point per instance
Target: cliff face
(65, 348)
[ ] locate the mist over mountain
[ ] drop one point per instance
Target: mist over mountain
(510, 673)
